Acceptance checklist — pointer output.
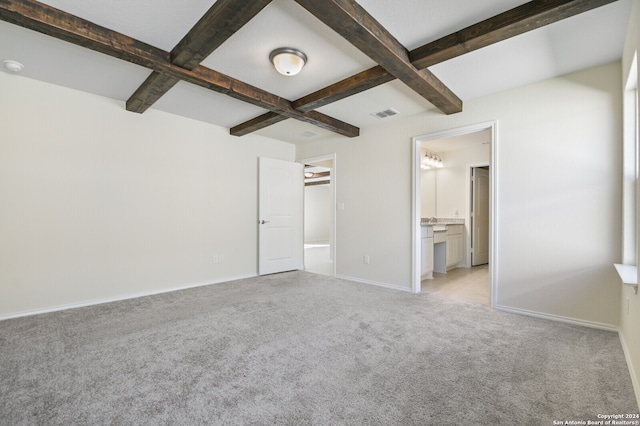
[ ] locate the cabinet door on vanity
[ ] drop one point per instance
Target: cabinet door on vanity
(455, 245)
(426, 241)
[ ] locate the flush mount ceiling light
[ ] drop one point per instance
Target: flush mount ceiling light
(288, 61)
(13, 66)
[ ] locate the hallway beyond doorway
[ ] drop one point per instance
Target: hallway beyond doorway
(319, 214)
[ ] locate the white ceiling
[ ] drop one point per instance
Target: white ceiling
(557, 49)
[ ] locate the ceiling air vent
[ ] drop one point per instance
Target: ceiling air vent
(389, 112)
(308, 134)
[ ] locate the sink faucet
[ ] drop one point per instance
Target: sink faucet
(433, 219)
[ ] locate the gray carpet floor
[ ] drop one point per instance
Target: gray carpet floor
(304, 349)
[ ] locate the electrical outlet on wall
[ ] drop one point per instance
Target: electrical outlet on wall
(366, 259)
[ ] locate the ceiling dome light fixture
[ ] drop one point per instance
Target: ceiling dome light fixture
(288, 61)
(13, 66)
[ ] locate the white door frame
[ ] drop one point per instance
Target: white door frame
(334, 180)
(493, 202)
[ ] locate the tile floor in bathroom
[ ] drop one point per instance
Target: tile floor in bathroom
(468, 284)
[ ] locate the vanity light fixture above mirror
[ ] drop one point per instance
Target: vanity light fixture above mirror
(431, 161)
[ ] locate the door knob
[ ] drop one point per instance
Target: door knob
(262, 222)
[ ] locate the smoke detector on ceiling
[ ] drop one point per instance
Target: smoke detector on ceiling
(389, 112)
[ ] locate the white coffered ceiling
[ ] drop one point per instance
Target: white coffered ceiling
(589, 39)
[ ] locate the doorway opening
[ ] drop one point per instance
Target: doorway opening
(479, 217)
(319, 214)
(459, 196)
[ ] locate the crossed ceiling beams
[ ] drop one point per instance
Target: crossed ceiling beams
(527, 17)
(64, 26)
(226, 17)
(346, 17)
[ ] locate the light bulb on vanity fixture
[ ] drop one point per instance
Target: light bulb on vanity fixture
(431, 161)
(288, 61)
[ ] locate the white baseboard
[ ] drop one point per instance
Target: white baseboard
(116, 298)
(632, 370)
(590, 324)
(375, 283)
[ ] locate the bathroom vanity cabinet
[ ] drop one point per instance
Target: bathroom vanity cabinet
(455, 245)
(442, 247)
(427, 251)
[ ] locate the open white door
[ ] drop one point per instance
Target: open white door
(280, 216)
(480, 217)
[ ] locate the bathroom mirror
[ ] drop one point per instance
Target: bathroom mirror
(429, 203)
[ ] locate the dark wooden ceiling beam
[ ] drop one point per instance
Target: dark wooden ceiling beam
(516, 21)
(317, 183)
(255, 124)
(524, 18)
(220, 22)
(360, 82)
(152, 89)
(352, 22)
(350, 86)
(221, 83)
(64, 26)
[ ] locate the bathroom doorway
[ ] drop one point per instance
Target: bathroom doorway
(445, 194)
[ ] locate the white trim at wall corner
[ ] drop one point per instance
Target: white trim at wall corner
(557, 318)
(375, 283)
(632, 370)
(118, 298)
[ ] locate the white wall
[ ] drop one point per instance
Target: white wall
(99, 203)
(374, 173)
(558, 164)
(630, 320)
(317, 213)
